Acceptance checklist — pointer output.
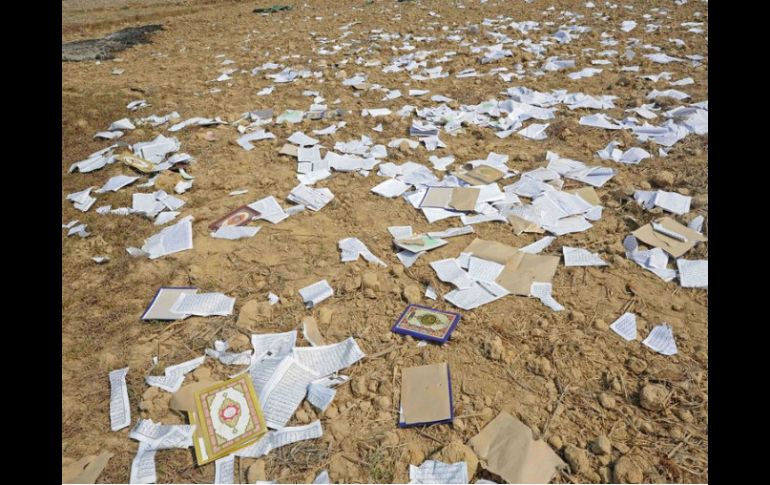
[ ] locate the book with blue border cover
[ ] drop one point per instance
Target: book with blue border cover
(426, 323)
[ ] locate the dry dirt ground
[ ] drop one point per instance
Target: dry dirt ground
(565, 374)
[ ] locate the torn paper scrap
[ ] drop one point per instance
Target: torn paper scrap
(203, 304)
(449, 271)
(174, 375)
(228, 358)
(581, 257)
(316, 293)
(352, 248)
(313, 199)
(235, 232)
(143, 465)
(120, 407)
(116, 183)
(432, 471)
(82, 200)
(390, 188)
(506, 445)
(269, 209)
(328, 359)
(483, 270)
(542, 291)
(538, 245)
(478, 294)
(661, 340)
(279, 438)
(625, 326)
(160, 306)
(162, 436)
(693, 273)
(172, 239)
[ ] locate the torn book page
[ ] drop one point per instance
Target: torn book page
(478, 294)
(537, 246)
(203, 304)
(120, 407)
(542, 291)
(448, 271)
(661, 340)
(693, 273)
(162, 436)
(625, 326)
(224, 471)
(314, 294)
(483, 270)
(432, 471)
(390, 188)
(284, 391)
(328, 359)
(228, 358)
(581, 257)
(172, 239)
(235, 232)
(322, 478)
(143, 465)
(269, 209)
(352, 248)
(174, 375)
(408, 258)
(282, 437)
(313, 199)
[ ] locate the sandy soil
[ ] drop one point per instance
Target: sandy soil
(563, 373)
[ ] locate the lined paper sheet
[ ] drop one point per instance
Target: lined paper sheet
(282, 437)
(449, 271)
(225, 470)
(483, 270)
(661, 340)
(432, 471)
(625, 326)
(120, 408)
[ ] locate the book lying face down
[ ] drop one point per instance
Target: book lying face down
(426, 396)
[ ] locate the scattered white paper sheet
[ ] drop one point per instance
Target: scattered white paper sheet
(672, 202)
(235, 232)
(430, 292)
(661, 340)
(542, 291)
(245, 140)
(696, 224)
(314, 294)
(484, 270)
(228, 358)
(408, 258)
(581, 257)
(313, 199)
(449, 271)
(320, 392)
(625, 326)
(390, 188)
(537, 246)
(352, 248)
(279, 438)
(693, 273)
(120, 407)
(225, 470)
(328, 359)
(451, 232)
(174, 375)
(432, 471)
(203, 304)
(322, 478)
(116, 183)
(143, 465)
(284, 391)
(301, 139)
(172, 239)
(82, 200)
(269, 209)
(478, 294)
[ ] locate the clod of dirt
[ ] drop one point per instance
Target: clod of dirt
(626, 471)
(104, 48)
(494, 349)
(389, 438)
(416, 455)
(576, 316)
(684, 414)
(607, 400)
(256, 472)
(202, 374)
(369, 281)
(652, 397)
(663, 179)
(555, 442)
(383, 402)
(637, 366)
(253, 311)
(325, 315)
(601, 445)
(457, 451)
(166, 181)
(541, 366)
(577, 459)
(412, 293)
(240, 343)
